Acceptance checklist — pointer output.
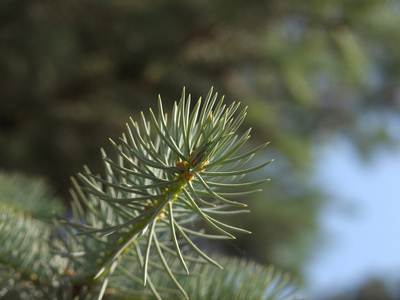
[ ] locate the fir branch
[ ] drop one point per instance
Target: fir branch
(149, 194)
(28, 268)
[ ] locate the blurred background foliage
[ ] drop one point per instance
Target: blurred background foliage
(72, 72)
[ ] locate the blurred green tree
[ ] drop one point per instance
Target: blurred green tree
(72, 70)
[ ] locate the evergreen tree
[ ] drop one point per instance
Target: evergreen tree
(72, 70)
